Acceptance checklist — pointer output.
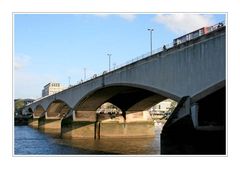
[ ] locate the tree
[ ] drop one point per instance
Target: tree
(19, 104)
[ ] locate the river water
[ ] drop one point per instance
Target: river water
(29, 141)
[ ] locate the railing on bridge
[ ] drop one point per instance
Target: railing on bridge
(164, 47)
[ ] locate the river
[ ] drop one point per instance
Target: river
(29, 141)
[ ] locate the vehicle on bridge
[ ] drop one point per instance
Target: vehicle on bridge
(196, 33)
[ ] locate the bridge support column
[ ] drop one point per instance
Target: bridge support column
(194, 115)
(136, 125)
(178, 132)
(196, 128)
(33, 122)
(50, 124)
(109, 126)
(79, 125)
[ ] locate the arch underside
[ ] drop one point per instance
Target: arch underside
(57, 108)
(124, 97)
(209, 90)
(38, 111)
(212, 108)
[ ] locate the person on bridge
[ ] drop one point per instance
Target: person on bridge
(164, 48)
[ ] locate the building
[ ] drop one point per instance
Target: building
(109, 108)
(52, 88)
(163, 107)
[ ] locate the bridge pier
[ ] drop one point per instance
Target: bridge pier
(196, 128)
(88, 124)
(79, 125)
(136, 124)
(33, 122)
(50, 124)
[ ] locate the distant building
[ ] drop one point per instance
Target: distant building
(52, 88)
(163, 107)
(108, 108)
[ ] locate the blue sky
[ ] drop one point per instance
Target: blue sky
(54, 47)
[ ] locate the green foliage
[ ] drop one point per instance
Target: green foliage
(19, 104)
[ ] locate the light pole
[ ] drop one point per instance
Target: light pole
(84, 74)
(69, 78)
(109, 59)
(151, 30)
(114, 66)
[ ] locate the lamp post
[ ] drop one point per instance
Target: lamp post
(151, 30)
(114, 66)
(69, 79)
(109, 59)
(84, 71)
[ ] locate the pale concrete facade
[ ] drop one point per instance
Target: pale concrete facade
(52, 88)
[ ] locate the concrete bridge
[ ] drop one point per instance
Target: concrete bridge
(195, 69)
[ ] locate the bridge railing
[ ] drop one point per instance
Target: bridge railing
(158, 50)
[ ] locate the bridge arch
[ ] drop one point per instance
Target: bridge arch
(127, 97)
(57, 108)
(30, 110)
(109, 111)
(38, 111)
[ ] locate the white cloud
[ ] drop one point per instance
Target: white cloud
(20, 61)
(128, 17)
(103, 15)
(184, 23)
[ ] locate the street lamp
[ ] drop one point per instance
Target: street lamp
(109, 59)
(69, 79)
(114, 66)
(151, 30)
(84, 71)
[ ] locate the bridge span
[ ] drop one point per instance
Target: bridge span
(195, 69)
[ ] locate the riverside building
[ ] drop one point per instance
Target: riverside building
(52, 88)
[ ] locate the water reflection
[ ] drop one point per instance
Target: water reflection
(119, 146)
(29, 141)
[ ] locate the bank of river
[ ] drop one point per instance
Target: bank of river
(28, 141)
